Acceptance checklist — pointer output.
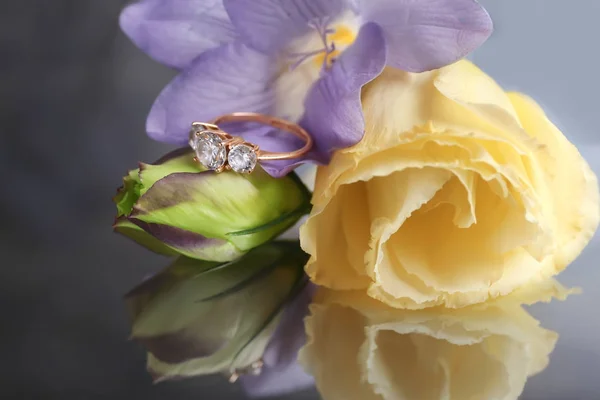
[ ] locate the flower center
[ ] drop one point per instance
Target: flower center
(341, 38)
(303, 61)
(333, 38)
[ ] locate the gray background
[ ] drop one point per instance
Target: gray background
(73, 97)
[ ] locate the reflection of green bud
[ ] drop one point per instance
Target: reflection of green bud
(175, 207)
(201, 317)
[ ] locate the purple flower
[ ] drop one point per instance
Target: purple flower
(304, 60)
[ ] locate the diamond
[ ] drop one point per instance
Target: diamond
(210, 150)
(242, 158)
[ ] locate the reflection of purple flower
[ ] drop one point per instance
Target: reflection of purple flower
(305, 60)
(281, 372)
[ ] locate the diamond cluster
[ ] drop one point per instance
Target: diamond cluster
(214, 153)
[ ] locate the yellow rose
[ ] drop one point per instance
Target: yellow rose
(458, 192)
(361, 349)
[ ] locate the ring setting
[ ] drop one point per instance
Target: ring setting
(219, 151)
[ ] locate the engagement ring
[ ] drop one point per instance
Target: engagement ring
(219, 151)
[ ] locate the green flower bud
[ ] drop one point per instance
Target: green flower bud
(175, 207)
(200, 317)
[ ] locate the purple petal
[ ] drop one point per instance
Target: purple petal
(422, 35)
(175, 32)
(188, 243)
(267, 137)
(278, 169)
(177, 238)
(268, 25)
(171, 190)
(128, 229)
(282, 373)
(333, 108)
(229, 78)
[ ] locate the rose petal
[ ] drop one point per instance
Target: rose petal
(576, 209)
(338, 226)
(229, 78)
(359, 348)
(331, 355)
(175, 32)
(428, 34)
(268, 25)
(333, 108)
(510, 226)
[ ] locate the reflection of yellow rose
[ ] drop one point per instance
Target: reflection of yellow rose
(362, 349)
(457, 193)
